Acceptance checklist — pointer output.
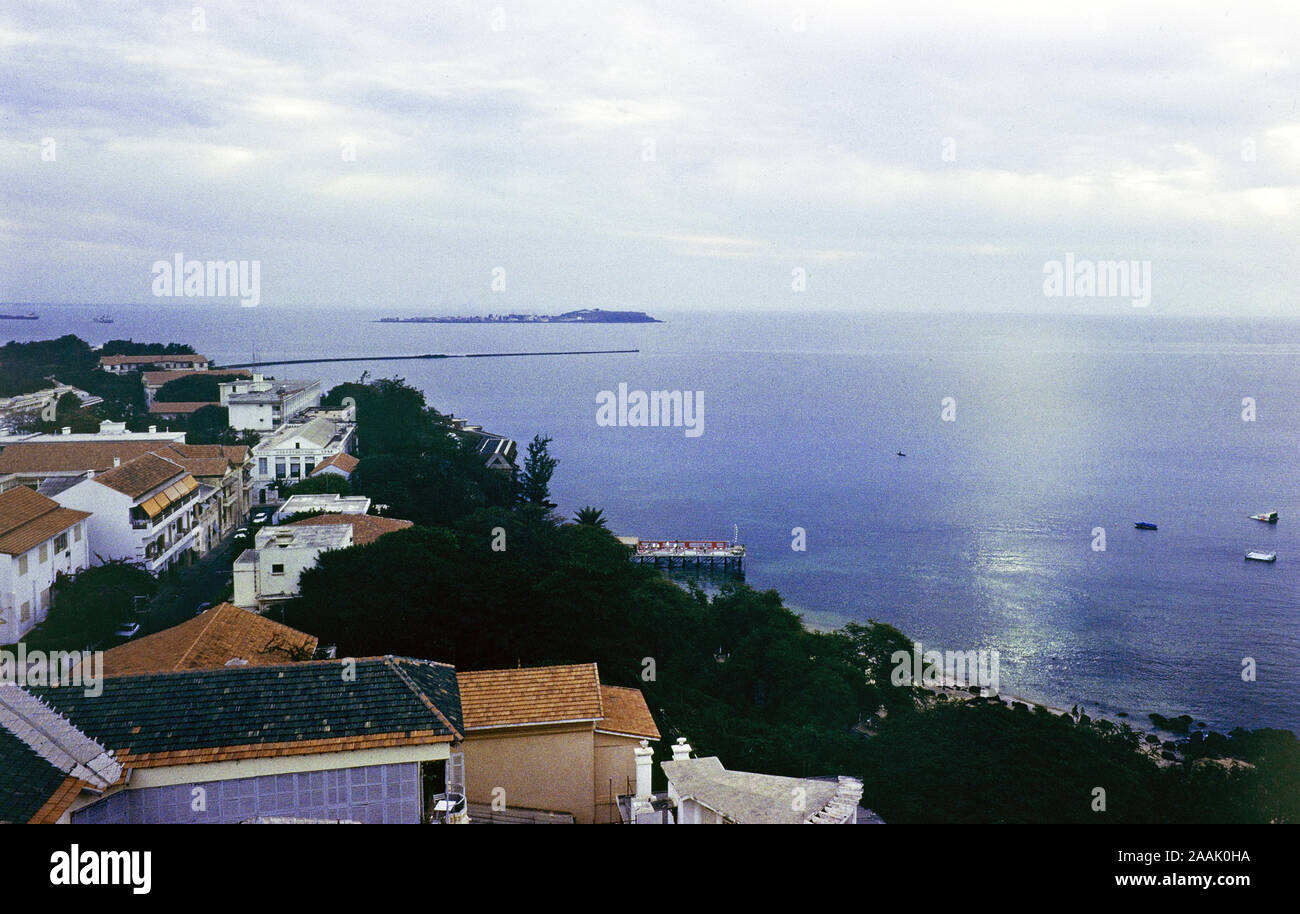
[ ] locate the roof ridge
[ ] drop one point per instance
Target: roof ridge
(195, 640)
(391, 662)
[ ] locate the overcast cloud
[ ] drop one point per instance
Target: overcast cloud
(664, 156)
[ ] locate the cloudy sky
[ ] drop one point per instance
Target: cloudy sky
(664, 156)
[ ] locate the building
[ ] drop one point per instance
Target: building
(146, 510)
(39, 540)
(38, 460)
(293, 452)
(179, 409)
(47, 762)
(268, 574)
(154, 380)
(702, 792)
(340, 464)
(222, 636)
(497, 451)
(261, 405)
(370, 740)
(227, 469)
(121, 364)
(366, 528)
(324, 503)
(550, 739)
(44, 403)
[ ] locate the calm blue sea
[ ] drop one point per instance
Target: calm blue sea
(981, 537)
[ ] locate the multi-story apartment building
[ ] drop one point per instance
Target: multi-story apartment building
(145, 510)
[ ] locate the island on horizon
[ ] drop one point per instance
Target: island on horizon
(583, 316)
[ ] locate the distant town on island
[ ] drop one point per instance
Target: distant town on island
(584, 316)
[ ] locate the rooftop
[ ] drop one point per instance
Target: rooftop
(142, 475)
(179, 407)
(330, 503)
(79, 453)
(345, 462)
(330, 536)
(28, 518)
(534, 695)
(45, 759)
(626, 713)
(211, 640)
(366, 528)
(746, 798)
(244, 712)
(273, 392)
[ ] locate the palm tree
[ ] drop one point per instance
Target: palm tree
(591, 517)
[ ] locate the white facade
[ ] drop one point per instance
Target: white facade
(290, 455)
(268, 573)
(121, 529)
(330, 503)
(26, 579)
(262, 405)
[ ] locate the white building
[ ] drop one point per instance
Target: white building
(331, 503)
(702, 792)
(120, 364)
(39, 540)
(293, 452)
(145, 510)
(261, 405)
(268, 573)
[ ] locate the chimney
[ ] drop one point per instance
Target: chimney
(644, 756)
(681, 750)
(66, 430)
(117, 462)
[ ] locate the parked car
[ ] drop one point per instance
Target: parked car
(261, 515)
(127, 630)
(203, 607)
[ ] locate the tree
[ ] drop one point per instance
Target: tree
(199, 387)
(320, 484)
(89, 605)
(591, 517)
(210, 425)
(535, 480)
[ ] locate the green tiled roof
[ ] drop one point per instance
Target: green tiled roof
(26, 779)
(250, 705)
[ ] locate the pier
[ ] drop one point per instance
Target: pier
(681, 553)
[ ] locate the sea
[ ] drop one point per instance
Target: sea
(1033, 444)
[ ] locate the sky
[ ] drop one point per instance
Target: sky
(487, 157)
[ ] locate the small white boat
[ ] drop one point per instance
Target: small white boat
(1261, 556)
(1268, 517)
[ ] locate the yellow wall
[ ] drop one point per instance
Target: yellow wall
(538, 767)
(614, 762)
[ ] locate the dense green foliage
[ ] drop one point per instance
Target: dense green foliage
(507, 583)
(89, 605)
(194, 388)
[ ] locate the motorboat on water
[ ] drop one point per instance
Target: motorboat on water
(1268, 517)
(1261, 556)
(1143, 525)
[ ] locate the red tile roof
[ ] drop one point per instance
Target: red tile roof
(28, 518)
(366, 528)
(536, 695)
(345, 462)
(626, 712)
(143, 474)
(209, 641)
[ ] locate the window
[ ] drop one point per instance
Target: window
(279, 468)
(45, 553)
(277, 569)
(45, 598)
(22, 565)
(261, 466)
(76, 533)
(61, 542)
(26, 611)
